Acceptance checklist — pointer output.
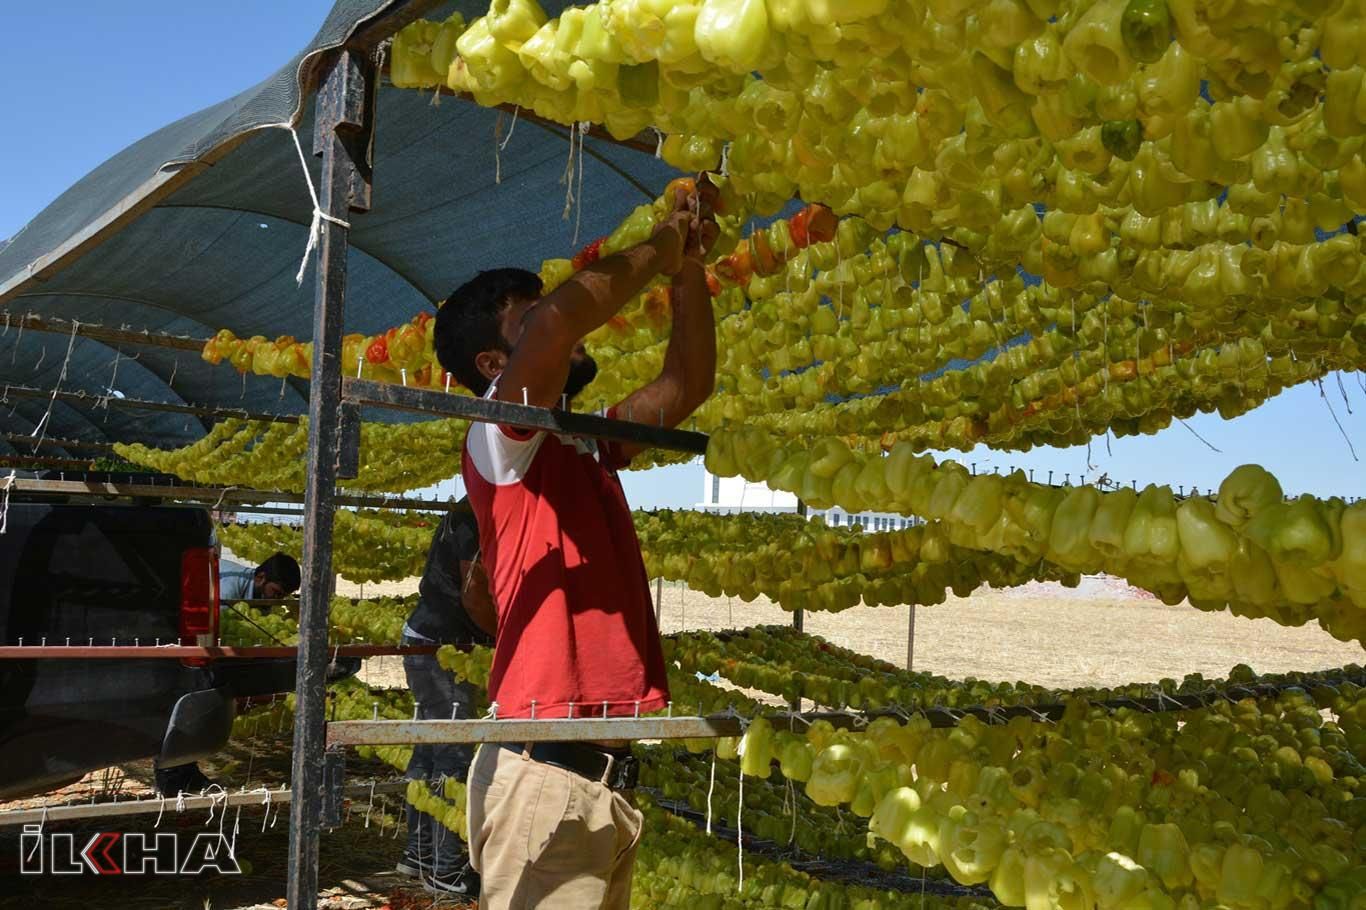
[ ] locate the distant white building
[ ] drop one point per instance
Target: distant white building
(728, 495)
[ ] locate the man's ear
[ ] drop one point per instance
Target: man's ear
(490, 363)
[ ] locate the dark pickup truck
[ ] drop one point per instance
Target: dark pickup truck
(114, 573)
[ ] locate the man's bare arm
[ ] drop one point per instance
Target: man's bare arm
(476, 598)
(689, 372)
(554, 326)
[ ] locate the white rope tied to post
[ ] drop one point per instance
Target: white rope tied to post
(315, 226)
(740, 796)
(5, 486)
(711, 787)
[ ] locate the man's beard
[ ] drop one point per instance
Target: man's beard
(582, 371)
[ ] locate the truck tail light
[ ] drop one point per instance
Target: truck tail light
(198, 598)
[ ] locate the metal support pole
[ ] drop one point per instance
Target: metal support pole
(659, 600)
(797, 617)
(910, 642)
(343, 123)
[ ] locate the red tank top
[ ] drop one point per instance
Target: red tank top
(575, 621)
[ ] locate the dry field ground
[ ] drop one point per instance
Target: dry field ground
(1102, 633)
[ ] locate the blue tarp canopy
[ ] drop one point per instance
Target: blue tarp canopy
(202, 225)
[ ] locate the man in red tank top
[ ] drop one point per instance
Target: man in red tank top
(552, 824)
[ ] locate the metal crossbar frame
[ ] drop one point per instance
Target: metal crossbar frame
(31, 323)
(53, 442)
(140, 404)
(365, 392)
(394, 732)
(259, 797)
(239, 499)
(44, 463)
(183, 652)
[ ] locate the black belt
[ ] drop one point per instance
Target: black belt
(617, 770)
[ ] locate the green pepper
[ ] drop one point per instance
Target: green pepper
(1054, 881)
(892, 819)
(1095, 43)
(1122, 138)
(638, 84)
(1126, 827)
(1146, 27)
(1117, 880)
(1299, 532)
(835, 775)
(970, 846)
(732, 33)
(1151, 533)
(756, 749)
(1162, 849)
(1237, 128)
(514, 21)
(1239, 874)
(596, 42)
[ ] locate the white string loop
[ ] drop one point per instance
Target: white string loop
(316, 225)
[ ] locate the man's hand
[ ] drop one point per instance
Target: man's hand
(670, 237)
(703, 230)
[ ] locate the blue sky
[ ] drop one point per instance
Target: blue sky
(90, 78)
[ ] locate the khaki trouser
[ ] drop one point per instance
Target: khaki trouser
(541, 836)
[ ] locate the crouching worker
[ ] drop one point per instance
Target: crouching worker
(454, 608)
(554, 824)
(277, 577)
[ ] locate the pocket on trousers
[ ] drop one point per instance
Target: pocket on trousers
(545, 826)
(483, 769)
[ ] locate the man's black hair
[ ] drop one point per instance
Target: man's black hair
(469, 322)
(283, 570)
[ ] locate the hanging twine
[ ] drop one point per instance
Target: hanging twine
(5, 486)
(315, 226)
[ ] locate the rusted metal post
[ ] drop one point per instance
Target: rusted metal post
(343, 122)
(797, 618)
(910, 641)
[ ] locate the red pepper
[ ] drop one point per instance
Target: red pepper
(713, 284)
(813, 224)
(796, 226)
(588, 255)
(738, 267)
(378, 351)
